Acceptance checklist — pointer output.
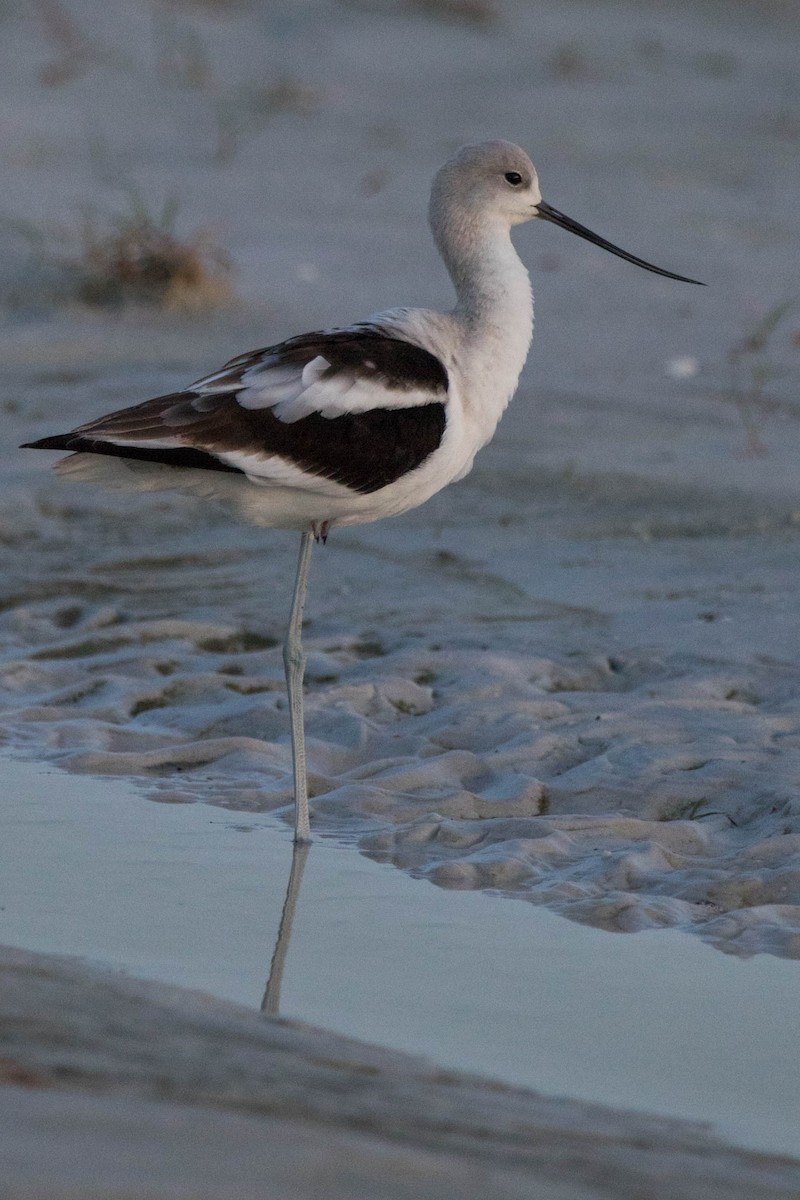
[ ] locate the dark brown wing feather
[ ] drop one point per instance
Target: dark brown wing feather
(364, 451)
(397, 364)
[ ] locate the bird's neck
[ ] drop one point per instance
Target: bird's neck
(493, 288)
(494, 299)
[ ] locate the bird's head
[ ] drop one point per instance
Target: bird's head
(495, 183)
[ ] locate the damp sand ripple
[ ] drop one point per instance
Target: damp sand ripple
(571, 678)
(625, 791)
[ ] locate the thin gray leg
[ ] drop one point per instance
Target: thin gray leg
(294, 661)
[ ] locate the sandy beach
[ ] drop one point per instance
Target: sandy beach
(571, 678)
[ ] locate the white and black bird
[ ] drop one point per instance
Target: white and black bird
(353, 424)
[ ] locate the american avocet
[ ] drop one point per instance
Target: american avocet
(352, 424)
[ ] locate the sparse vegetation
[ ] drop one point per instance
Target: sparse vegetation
(479, 13)
(244, 111)
(569, 61)
(214, 8)
(751, 372)
(462, 12)
(72, 50)
(139, 257)
(131, 256)
(182, 55)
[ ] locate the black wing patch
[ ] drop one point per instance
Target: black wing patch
(187, 457)
(363, 451)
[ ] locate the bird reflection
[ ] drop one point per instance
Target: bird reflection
(272, 993)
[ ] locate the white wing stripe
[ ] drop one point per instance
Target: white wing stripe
(314, 370)
(294, 390)
(280, 472)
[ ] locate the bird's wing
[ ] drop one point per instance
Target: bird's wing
(334, 373)
(353, 408)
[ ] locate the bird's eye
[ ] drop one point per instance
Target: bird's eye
(514, 178)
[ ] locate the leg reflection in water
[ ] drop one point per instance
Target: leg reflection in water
(272, 994)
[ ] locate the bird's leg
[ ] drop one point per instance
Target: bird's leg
(294, 661)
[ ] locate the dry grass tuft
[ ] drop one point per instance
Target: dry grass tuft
(182, 56)
(481, 14)
(214, 8)
(570, 62)
(139, 258)
(73, 51)
(751, 372)
(244, 111)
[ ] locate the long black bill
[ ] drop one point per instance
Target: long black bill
(552, 214)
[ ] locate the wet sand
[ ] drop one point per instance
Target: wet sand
(214, 901)
(121, 1088)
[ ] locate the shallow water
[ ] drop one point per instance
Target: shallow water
(190, 895)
